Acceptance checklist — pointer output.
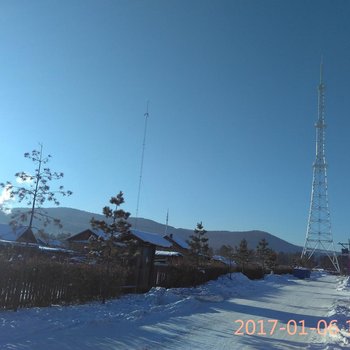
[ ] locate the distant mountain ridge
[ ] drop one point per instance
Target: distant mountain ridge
(75, 220)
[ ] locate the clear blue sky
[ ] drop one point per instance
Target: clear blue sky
(233, 91)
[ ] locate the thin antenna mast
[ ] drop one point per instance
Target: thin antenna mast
(167, 222)
(321, 70)
(146, 115)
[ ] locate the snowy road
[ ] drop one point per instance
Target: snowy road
(197, 318)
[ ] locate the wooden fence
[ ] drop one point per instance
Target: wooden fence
(185, 275)
(43, 284)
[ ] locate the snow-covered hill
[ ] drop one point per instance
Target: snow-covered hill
(217, 315)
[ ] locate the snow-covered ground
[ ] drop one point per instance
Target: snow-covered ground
(205, 317)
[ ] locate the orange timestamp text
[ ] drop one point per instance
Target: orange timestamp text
(266, 327)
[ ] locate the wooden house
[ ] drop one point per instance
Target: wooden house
(167, 257)
(20, 234)
(81, 240)
(177, 244)
(142, 265)
(145, 265)
(221, 261)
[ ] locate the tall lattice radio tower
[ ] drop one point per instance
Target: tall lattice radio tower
(319, 237)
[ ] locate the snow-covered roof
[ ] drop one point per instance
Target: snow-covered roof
(56, 243)
(148, 237)
(166, 253)
(17, 244)
(53, 249)
(180, 242)
(152, 238)
(100, 234)
(8, 234)
(97, 232)
(223, 260)
(41, 241)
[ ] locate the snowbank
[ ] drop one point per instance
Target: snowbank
(340, 311)
(184, 318)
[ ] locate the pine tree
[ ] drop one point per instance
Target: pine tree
(266, 255)
(227, 251)
(242, 254)
(35, 190)
(116, 246)
(271, 259)
(262, 251)
(198, 243)
(116, 228)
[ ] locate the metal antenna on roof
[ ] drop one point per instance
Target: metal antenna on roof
(166, 222)
(146, 115)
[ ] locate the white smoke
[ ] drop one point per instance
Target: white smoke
(5, 197)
